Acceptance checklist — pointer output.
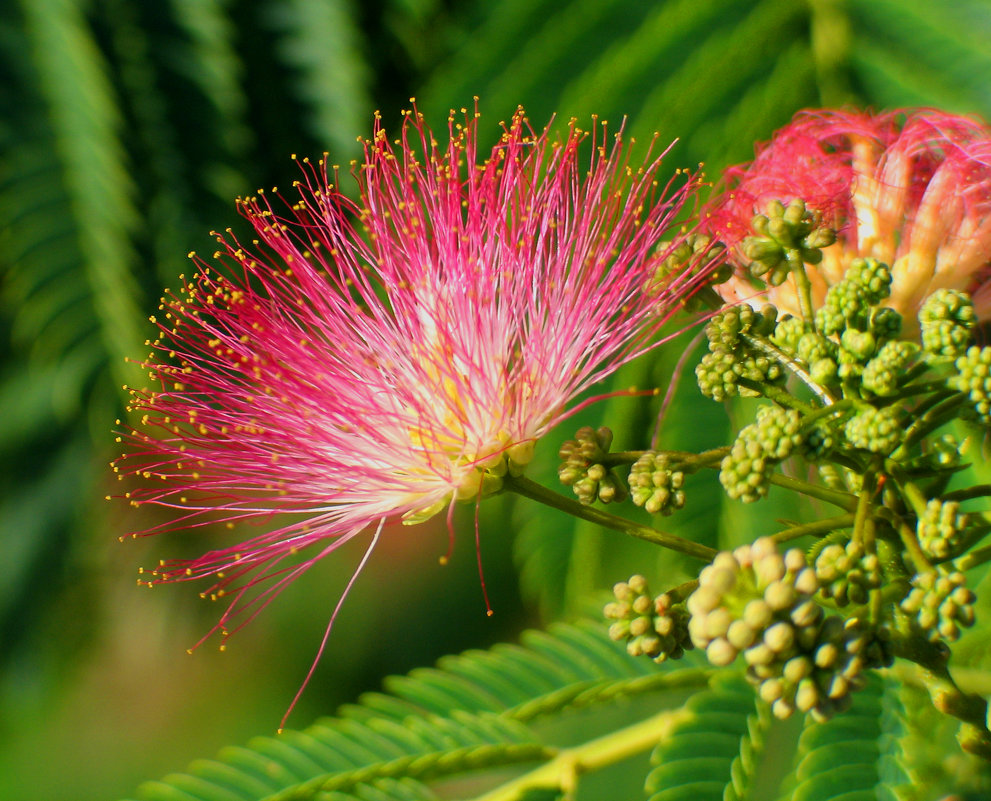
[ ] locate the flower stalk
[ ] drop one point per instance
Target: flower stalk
(528, 488)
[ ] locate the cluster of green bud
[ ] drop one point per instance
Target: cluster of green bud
(848, 302)
(731, 358)
(820, 677)
(745, 471)
(818, 442)
(974, 379)
(885, 323)
(696, 254)
(941, 529)
(873, 277)
(946, 451)
(788, 332)
(654, 627)
(876, 430)
(725, 328)
(847, 573)
(583, 470)
(882, 373)
(760, 603)
(941, 604)
(786, 236)
(752, 600)
(946, 320)
(656, 484)
(719, 374)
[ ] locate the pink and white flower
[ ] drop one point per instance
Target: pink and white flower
(365, 361)
(911, 188)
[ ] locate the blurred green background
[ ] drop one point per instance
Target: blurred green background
(126, 130)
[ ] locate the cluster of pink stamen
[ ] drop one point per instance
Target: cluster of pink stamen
(911, 188)
(382, 358)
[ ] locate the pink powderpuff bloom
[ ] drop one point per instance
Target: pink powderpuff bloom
(910, 188)
(365, 361)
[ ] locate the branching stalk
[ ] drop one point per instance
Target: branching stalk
(536, 492)
(844, 500)
(819, 527)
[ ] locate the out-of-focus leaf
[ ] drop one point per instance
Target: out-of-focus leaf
(321, 41)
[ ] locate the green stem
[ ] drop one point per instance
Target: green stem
(768, 348)
(919, 559)
(861, 516)
(814, 529)
(912, 494)
(692, 462)
(973, 559)
(777, 394)
(938, 415)
(863, 531)
(536, 492)
(583, 694)
(561, 773)
(621, 457)
(804, 287)
(977, 491)
(916, 389)
(686, 460)
(844, 500)
(828, 411)
(933, 658)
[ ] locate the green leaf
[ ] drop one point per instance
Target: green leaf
(694, 763)
(86, 124)
(444, 723)
(321, 42)
(855, 754)
(750, 762)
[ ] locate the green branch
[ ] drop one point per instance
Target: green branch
(946, 696)
(562, 772)
(522, 485)
(844, 500)
(814, 529)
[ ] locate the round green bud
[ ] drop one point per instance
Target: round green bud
(946, 320)
(974, 379)
(656, 485)
(941, 529)
(876, 430)
(654, 627)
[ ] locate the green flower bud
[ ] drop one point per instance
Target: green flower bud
(974, 379)
(946, 320)
(883, 373)
(941, 604)
(655, 485)
(654, 627)
(876, 430)
(581, 467)
(941, 529)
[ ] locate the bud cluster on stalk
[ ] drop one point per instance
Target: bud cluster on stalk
(941, 604)
(847, 573)
(656, 483)
(654, 626)
(582, 467)
(854, 408)
(761, 604)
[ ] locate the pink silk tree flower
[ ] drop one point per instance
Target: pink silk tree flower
(910, 188)
(361, 362)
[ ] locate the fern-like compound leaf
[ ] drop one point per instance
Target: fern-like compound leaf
(695, 762)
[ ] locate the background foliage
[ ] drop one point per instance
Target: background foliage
(126, 129)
